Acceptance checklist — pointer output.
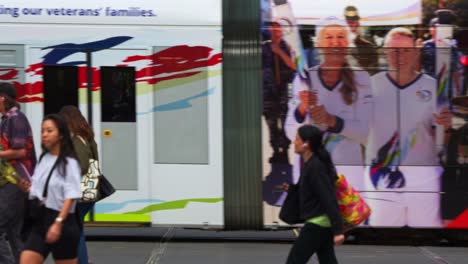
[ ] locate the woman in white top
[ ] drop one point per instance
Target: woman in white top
(55, 229)
(337, 99)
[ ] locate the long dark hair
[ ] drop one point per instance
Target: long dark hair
(314, 138)
(76, 122)
(66, 144)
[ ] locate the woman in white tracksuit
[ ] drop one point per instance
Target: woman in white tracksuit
(337, 99)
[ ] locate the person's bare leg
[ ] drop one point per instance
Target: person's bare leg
(31, 257)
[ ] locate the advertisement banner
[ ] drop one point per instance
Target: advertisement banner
(138, 12)
(391, 104)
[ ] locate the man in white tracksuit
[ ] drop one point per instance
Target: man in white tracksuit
(403, 172)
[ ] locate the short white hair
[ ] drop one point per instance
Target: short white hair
(332, 21)
(398, 31)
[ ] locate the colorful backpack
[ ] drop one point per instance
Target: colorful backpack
(352, 207)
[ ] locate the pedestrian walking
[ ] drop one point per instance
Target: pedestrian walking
(323, 226)
(86, 148)
(53, 192)
(18, 150)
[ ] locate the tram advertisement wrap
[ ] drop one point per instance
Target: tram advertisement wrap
(387, 90)
(136, 12)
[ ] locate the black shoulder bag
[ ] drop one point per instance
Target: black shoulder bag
(35, 206)
(290, 211)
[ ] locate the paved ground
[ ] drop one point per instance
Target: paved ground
(262, 253)
(169, 246)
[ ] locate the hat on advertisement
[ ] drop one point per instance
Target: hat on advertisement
(8, 90)
(351, 13)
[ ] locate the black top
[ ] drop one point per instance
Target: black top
(317, 194)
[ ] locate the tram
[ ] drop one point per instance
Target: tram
(175, 92)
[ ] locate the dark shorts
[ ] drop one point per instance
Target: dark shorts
(67, 245)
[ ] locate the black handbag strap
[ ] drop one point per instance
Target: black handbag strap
(46, 187)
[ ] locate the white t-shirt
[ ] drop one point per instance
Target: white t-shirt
(345, 146)
(60, 187)
(404, 114)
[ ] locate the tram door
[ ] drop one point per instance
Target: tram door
(118, 126)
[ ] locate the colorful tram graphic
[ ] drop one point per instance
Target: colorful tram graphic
(57, 80)
(152, 81)
(156, 108)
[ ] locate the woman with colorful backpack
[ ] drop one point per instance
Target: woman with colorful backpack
(318, 206)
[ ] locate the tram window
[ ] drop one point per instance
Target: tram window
(7, 58)
(118, 94)
(60, 87)
(180, 111)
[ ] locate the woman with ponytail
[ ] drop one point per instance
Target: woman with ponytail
(337, 99)
(319, 207)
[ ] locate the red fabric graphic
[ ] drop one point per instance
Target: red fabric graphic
(10, 74)
(460, 222)
(172, 63)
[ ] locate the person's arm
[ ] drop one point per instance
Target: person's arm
(285, 57)
(321, 184)
(55, 230)
(24, 185)
(18, 132)
(12, 154)
(72, 191)
(304, 97)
